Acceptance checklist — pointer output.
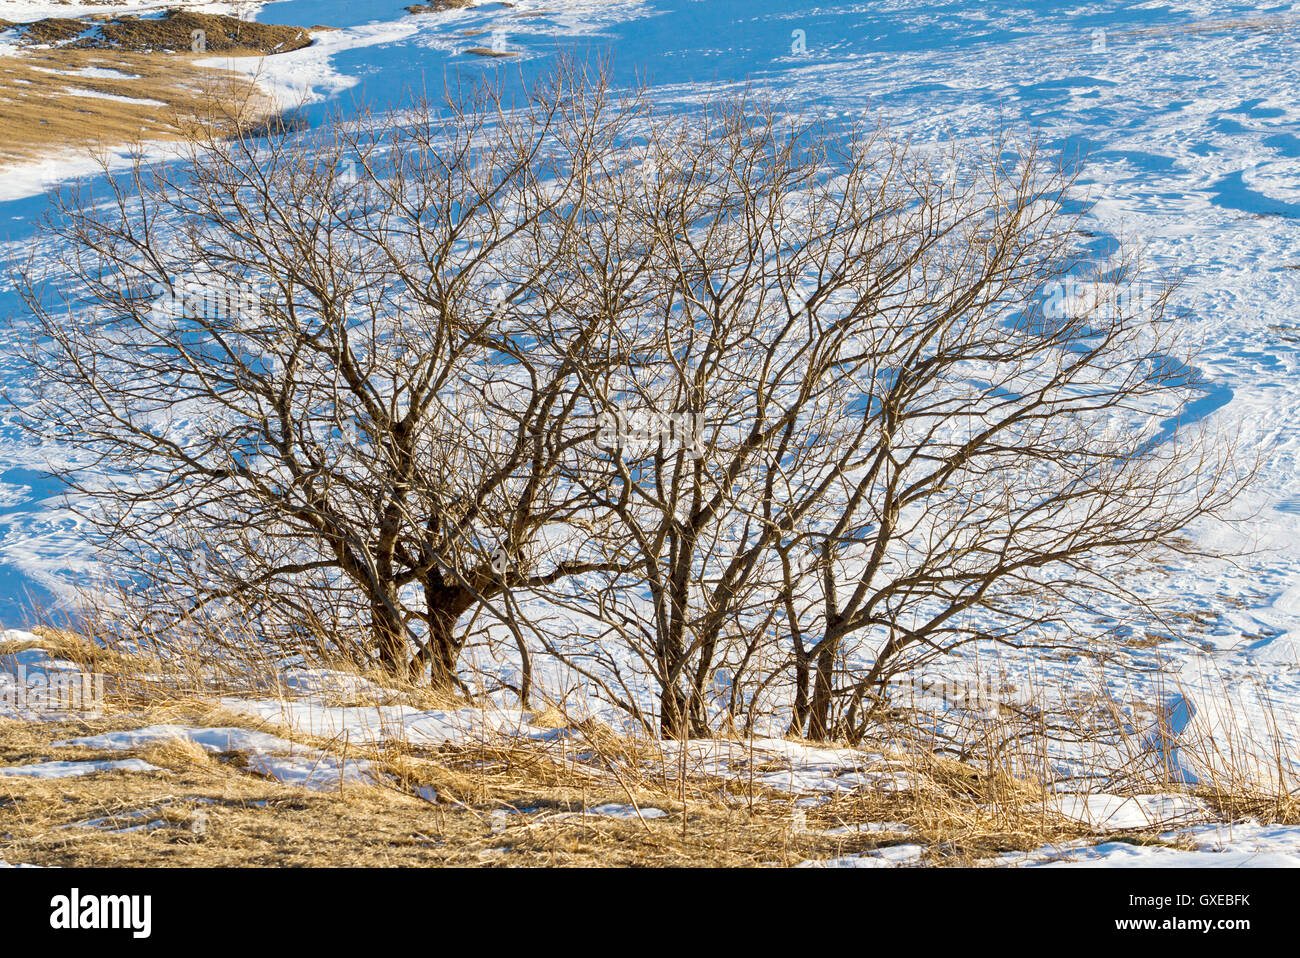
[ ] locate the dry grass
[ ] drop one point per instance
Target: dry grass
(499, 800)
(45, 106)
(162, 94)
(503, 800)
(167, 34)
(503, 803)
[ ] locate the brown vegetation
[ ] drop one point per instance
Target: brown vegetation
(170, 33)
(46, 104)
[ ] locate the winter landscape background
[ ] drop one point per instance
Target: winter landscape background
(1187, 120)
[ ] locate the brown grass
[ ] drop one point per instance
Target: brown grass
(170, 33)
(52, 30)
(223, 34)
(41, 109)
(504, 803)
(499, 800)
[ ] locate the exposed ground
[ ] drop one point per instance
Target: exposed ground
(82, 100)
(438, 6)
(172, 33)
(83, 85)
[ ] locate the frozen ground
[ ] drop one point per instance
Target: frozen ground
(1189, 115)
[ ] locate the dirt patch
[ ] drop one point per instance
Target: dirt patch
(174, 32)
(486, 52)
(222, 34)
(52, 30)
(439, 6)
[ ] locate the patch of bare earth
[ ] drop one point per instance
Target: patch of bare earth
(439, 6)
(80, 86)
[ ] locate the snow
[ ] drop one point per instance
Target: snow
(209, 739)
(300, 681)
(319, 773)
(25, 11)
(97, 95)
(626, 811)
(1115, 812)
(801, 768)
(269, 755)
(378, 724)
(98, 73)
(34, 686)
(307, 75)
(76, 769)
(891, 856)
(1239, 845)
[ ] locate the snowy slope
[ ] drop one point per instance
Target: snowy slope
(1187, 112)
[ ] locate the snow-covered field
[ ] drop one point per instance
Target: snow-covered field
(1189, 116)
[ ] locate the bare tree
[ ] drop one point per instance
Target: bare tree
(871, 430)
(729, 412)
(305, 371)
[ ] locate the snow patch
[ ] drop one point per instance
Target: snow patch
(76, 769)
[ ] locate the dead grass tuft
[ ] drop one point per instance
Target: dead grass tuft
(180, 753)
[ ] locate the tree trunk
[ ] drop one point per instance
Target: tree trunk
(390, 640)
(445, 607)
(444, 653)
(820, 711)
(683, 715)
(801, 673)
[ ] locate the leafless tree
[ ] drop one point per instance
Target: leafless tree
(306, 372)
(730, 412)
(873, 427)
